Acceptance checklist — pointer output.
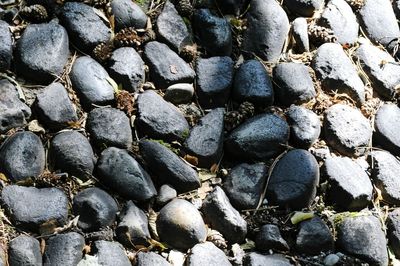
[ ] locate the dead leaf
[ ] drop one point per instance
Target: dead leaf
(206, 175)
(152, 223)
(204, 190)
(191, 159)
(301, 216)
(249, 245)
(112, 22)
(157, 244)
(48, 228)
(113, 84)
(173, 69)
(214, 168)
(86, 249)
(35, 127)
(3, 177)
(42, 245)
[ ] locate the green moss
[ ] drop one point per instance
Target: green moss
(185, 134)
(166, 144)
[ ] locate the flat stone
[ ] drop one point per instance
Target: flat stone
(270, 237)
(393, 231)
(110, 253)
(387, 124)
(179, 93)
(304, 8)
(6, 49)
(331, 260)
(294, 180)
(128, 14)
(64, 249)
(314, 237)
(207, 254)
(165, 194)
(24, 250)
(300, 34)
(150, 259)
(256, 259)
(123, 174)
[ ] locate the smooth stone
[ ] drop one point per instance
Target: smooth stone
(331, 260)
(24, 250)
(150, 259)
(166, 194)
(122, 173)
(179, 93)
(314, 237)
(207, 254)
(22, 205)
(6, 48)
(393, 231)
(270, 237)
(256, 259)
(387, 126)
(22, 156)
(110, 253)
(128, 14)
(64, 249)
(294, 180)
(300, 34)
(304, 8)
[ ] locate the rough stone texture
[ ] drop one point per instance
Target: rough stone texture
(305, 126)
(110, 253)
(256, 259)
(270, 237)
(165, 194)
(300, 34)
(6, 51)
(151, 259)
(294, 179)
(128, 14)
(262, 37)
(304, 8)
(207, 254)
(314, 237)
(393, 231)
(24, 250)
(179, 93)
(64, 249)
(387, 126)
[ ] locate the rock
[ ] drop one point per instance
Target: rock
(71, 152)
(252, 84)
(244, 185)
(384, 78)
(300, 35)
(150, 259)
(13, 112)
(305, 126)
(110, 253)
(24, 250)
(6, 49)
(64, 249)
(165, 194)
(207, 254)
(179, 93)
(294, 180)
(261, 36)
(214, 80)
(347, 130)
(393, 231)
(293, 83)
(180, 225)
(42, 51)
(54, 107)
(331, 260)
(3, 259)
(260, 137)
(109, 127)
(304, 8)
(350, 187)
(22, 156)
(123, 174)
(256, 259)
(314, 237)
(337, 72)
(387, 124)
(213, 32)
(339, 17)
(96, 209)
(85, 28)
(22, 203)
(270, 237)
(127, 68)
(157, 118)
(221, 215)
(128, 14)
(362, 237)
(166, 67)
(89, 79)
(133, 226)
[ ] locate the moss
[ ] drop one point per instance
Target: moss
(185, 134)
(166, 144)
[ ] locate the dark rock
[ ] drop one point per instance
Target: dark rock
(109, 127)
(127, 68)
(214, 80)
(253, 84)
(256, 259)
(150, 259)
(6, 49)
(166, 194)
(22, 156)
(396, 7)
(24, 250)
(350, 187)
(293, 83)
(85, 28)
(160, 119)
(213, 32)
(270, 237)
(260, 137)
(30, 207)
(89, 79)
(166, 67)
(168, 167)
(231, 6)
(244, 185)
(337, 72)
(294, 180)
(110, 253)
(128, 14)
(179, 93)
(314, 237)
(13, 112)
(180, 225)
(387, 126)
(42, 51)
(221, 215)
(305, 126)
(64, 249)
(304, 8)
(362, 237)
(9, 14)
(300, 34)
(393, 231)
(262, 37)
(123, 174)
(207, 254)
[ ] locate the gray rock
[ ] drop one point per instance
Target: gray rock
(293, 83)
(24, 250)
(158, 118)
(294, 180)
(256, 259)
(31, 207)
(362, 237)
(262, 37)
(179, 93)
(150, 259)
(347, 130)
(64, 249)
(393, 231)
(85, 28)
(387, 124)
(123, 174)
(165, 194)
(260, 137)
(305, 126)
(214, 80)
(89, 79)
(166, 67)
(42, 51)
(207, 254)
(331, 260)
(109, 127)
(13, 112)
(180, 225)
(304, 8)
(110, 253)
(244, 185)
(127, 68)
(253, 84)
(6, 49)
(128, 14)
(300, 34)
(223, 217)
(270, 237)
(314, 237)
(337, 72)
(22, 156)
(350, 187)
(3, 259)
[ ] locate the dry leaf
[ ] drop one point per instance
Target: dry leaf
(301, 216)
(173, 69)
(42, 246)
(204, 189)
(86, 249)
(152, 223)
(34, 126)
(206, 175)
(3, 177)
(48, 228)
(248, 245)
(191, 159)
(214, 168)
(157, 244)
